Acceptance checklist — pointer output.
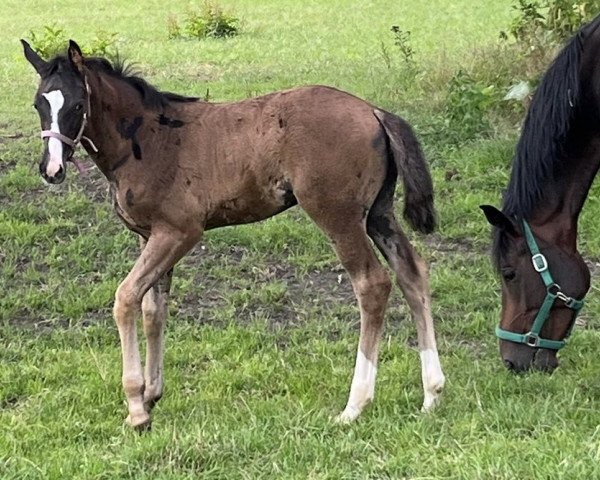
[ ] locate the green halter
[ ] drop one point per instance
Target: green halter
(553, 291)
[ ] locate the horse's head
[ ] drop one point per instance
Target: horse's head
(542, 287)
(62, 103)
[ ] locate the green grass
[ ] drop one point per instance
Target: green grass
(263, 328)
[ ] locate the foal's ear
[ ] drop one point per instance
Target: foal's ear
(75, 56)
(499, 220)
(32, 57)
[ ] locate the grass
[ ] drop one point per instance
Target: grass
(263, 326)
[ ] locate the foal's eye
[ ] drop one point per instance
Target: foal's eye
(508, 275)
(78, 107)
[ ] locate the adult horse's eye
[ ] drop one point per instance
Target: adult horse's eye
(508, 274)
(78, 107)
(36, 106)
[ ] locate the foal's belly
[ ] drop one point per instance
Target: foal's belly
(252, 204)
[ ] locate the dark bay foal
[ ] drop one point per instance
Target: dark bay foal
(179, 166)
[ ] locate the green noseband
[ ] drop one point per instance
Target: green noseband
(553, 291)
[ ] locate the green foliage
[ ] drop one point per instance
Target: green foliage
(402, 44)
(49, 42)
(209, 22)
(539, 22)
(53, 41)
(102, 45)
(402, 41)
(468, 101)
(476, 94)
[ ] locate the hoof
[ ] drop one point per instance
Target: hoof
(347, 416)
(140, 423)
(432, 399)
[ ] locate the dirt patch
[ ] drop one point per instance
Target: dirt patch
(316, 289)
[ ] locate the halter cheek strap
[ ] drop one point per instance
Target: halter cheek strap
(77, 140)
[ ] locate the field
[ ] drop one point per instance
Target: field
(263, 326)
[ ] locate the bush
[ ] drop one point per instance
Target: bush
(467, 105)
(53, 40)
(50, 42)
(210, 21)
(541, 21)
(103, 44)
(499, 86)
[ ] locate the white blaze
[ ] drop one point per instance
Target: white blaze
(55, 147)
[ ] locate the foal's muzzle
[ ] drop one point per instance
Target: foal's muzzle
(57, 177)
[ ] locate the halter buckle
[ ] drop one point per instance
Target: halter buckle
(540, 264)
(531, 339)
(561, 296)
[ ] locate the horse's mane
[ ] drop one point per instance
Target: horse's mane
(122, 70)
(539, 153)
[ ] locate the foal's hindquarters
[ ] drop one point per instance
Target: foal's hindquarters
(339, 159)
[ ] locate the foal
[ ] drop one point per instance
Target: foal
(179, 166)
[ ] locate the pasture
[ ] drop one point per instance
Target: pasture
(262, 329)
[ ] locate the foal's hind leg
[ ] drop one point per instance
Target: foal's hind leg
(372, 286)
(412, 278)
(154, 311)
(345, 226)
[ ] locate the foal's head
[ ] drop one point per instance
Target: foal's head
(542, 284)
(62, 103)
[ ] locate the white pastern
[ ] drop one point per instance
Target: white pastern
(433, 378)
(55, 147)
(362, 390)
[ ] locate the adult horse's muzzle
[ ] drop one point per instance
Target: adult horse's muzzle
(520, 358)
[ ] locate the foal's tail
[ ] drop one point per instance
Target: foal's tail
(419, 210)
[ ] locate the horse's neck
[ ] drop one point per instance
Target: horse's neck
(557, 214)
(108, 110)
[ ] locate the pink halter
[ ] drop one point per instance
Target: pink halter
(77, 140)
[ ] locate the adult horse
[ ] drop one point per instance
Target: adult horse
(179, 166)
(544, 278)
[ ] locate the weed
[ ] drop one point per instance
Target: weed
(173, 28)
(103, 45)
(539, 22)
(53, 40)
(49, 42)
(465, 113)
(210, 22)
(402, 41)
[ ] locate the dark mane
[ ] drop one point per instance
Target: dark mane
(120, 69)
(539, 155)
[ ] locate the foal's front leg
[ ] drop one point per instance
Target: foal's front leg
(154, 312)
(161, 252)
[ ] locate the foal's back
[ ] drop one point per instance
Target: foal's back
(249, 160)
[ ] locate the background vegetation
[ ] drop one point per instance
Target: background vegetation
(263, 326)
